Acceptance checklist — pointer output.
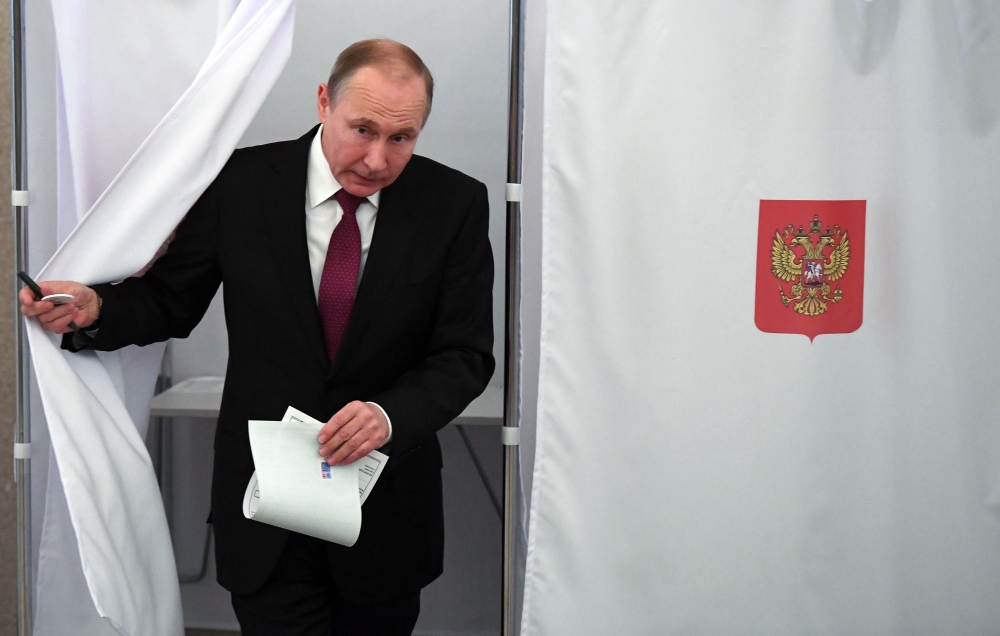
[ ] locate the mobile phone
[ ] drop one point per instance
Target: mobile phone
(55, 299)
(32, 285)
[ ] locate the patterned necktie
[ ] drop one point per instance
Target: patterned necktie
(340, 273)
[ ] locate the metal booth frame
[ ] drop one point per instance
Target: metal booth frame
(510, 431)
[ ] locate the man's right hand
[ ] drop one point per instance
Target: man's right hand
(56, 318)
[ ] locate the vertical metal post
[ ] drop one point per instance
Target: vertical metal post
(512, 350)
(22, 433)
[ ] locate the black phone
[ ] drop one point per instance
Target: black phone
(32, 285)
(37, 291)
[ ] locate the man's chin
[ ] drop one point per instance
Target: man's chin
(361, 187)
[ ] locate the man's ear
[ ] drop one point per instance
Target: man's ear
(322, 99)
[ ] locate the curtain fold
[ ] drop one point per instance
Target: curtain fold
(104, 524)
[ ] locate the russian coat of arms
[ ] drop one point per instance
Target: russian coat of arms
(810, 266)
(811, 261)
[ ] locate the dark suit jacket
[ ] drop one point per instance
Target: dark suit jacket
(419, 343)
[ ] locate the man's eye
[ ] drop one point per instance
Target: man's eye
(361, 130)
(399, 139)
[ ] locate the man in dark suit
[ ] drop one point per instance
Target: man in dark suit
(358, 288)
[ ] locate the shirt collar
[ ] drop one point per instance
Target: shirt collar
(321, 184)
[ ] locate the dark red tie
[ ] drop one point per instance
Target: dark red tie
(340, 273)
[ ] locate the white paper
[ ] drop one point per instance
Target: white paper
(294, 488)
(369, 467)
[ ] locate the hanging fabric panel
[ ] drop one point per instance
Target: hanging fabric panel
(768, 385)
(108, 484)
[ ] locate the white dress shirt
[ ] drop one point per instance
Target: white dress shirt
(323, 213)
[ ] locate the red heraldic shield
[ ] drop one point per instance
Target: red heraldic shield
(810, 267)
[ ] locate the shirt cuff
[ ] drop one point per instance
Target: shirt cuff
(388, 421)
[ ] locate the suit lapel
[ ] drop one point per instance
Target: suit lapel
(395, 228)
(284, 208)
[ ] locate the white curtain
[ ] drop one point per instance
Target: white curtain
(694, 474)
(151, 104)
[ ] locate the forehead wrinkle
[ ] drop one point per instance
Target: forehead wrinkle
(374, 102)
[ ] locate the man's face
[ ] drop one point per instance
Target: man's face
(370, 132)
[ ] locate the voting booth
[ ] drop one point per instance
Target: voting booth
(98, 83)
(746, 316)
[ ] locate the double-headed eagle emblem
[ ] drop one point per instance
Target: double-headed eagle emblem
(810, 261)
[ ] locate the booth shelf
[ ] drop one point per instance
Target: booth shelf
(202, 397)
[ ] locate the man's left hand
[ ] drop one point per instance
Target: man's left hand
(353, 432)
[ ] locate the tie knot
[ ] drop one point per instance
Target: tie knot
(348, 201)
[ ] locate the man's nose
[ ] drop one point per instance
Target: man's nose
(375, 159)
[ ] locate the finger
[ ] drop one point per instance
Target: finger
(35, 307)
(331, 428)
(26, 297)
(359, 454)
(59, 326)
(373, 442)
(56, 317)
(338, 420)
(345, 433)
(81, 317)
(61, 287)
(368, 438)
(56, 313)
(351, 448)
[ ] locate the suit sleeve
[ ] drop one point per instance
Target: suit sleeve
(170, 299)
(459, 360)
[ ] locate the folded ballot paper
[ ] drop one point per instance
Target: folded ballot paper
(294, 488)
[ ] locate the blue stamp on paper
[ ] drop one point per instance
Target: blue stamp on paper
(324, 469)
